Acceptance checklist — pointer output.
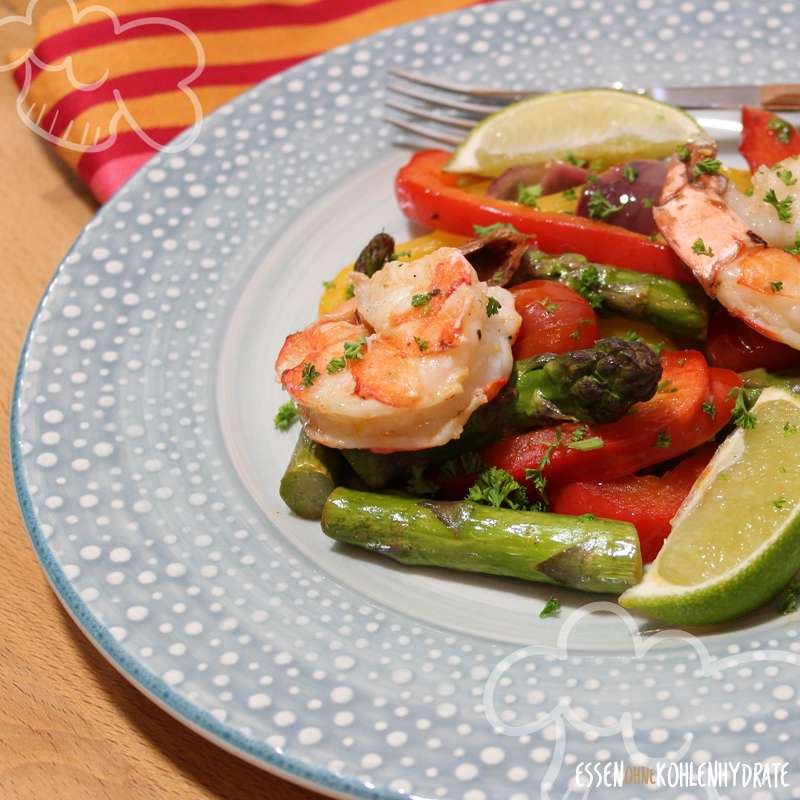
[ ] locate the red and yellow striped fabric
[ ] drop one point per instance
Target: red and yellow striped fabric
(120, 47)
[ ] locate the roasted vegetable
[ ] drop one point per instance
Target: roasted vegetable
(595, 385)
(314, 471)
(592, 554)
(675, 308)
(378, 250)
(497, 255)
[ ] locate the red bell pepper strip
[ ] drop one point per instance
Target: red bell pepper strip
(555, 319)
(690, 407)
(733, 344)
(648, 501)
(762, 138)
(433, 198)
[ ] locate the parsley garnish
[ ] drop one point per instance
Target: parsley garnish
(353, 351)
(707, 166)
(789, 429)
(421, 344)
(630, 172)
(465, 464)
(492, 307)
(536, 474)
(666, 387)
(599, 207)
(683, 152)
(399, 254)
(782, 207)
(588, 286)
(419, 485)
(351, 291)
(647, 202)
(310, 374)
(741, 415)
(632, 336)
(495, 487)
(663, 440)
(779, 504)
(577, 332)
(286, 417)
(552, 608)
(529, 195)
(485, 230)
(795, 251)
(776, 286)
(580, 433)
(569, 194)
(328, 284)
(575, 161)
(701, 248)
(335, 365)
(710, 409)
(786, 176)
(782, 129)
(584, 445)
(547, 304)
(423, 299)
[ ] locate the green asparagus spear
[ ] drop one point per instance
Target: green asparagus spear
(314, 471)
(595, 555)
(376, 253)
(678, 310)
(598, 384)
(760, 379)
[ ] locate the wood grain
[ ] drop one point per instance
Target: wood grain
(71, 728)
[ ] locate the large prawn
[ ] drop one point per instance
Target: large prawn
(403, 364)
(733, 243)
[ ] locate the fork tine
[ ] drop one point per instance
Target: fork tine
(446, 102)
(421, 130)
(459, 88)
(442, 119)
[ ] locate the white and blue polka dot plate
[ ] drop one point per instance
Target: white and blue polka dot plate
(147, 464)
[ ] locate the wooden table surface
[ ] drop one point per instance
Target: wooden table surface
(70, 725)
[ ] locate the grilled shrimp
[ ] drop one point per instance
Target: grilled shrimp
(403, 364)
(733, 243)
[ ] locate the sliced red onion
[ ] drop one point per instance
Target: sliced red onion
(561, 176)
(554, 177)
(634, 187)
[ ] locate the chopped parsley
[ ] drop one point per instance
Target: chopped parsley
(710, 409)
(286, 417)
(701, 248)
(465, 464)
(310, 374)
(780, 503)
(529, 195)
(399, 254)
(580, 433)
(351, 291)
(794, 251)
(422, 344)
(630, 172)
(667, 387)
(495, 487)
(789, 429)
(569, 194)
(632, 336)
(577, 332)
(328, 284)
(683, 152)
(575, 161)
(787, 176)
(588, 286)
(492, 307)
(647, 202)
(707, 166)
(663, 440)
(742, 416)
(485, 230)
(354, 351)
(782, 129)
(536, 475)
(791, 598)
(552, 608)
(335, 365)
(547, 304)
(423, 299)
(782, 207)
(599, 207)
(776, 286)
(584, 445)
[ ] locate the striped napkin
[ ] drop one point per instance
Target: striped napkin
(90, 55)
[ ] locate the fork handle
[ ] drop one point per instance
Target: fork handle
(781, 96)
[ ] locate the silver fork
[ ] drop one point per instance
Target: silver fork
(457, 107)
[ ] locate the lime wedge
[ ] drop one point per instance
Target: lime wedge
(592, 124)
(735, 541)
